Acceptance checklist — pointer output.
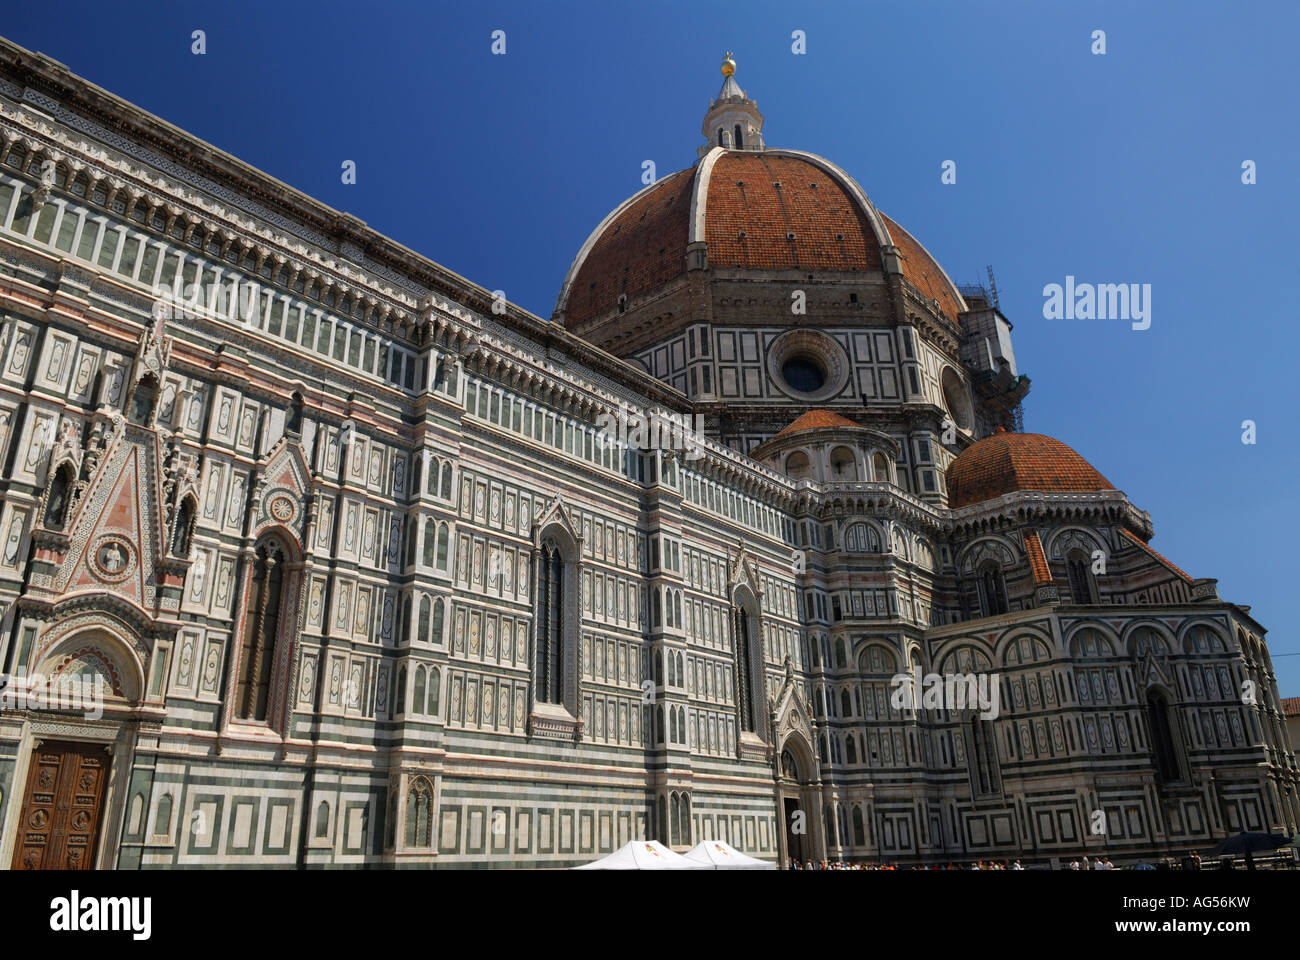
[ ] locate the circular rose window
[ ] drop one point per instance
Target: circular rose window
(807, 365)
(282, 508)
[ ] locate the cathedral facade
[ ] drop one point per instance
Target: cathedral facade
(313, 553)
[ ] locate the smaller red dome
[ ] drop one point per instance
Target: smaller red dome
(816, 420)
(1006, 462)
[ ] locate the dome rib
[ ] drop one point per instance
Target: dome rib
(620, 239)
(817, 220)
(922, 271)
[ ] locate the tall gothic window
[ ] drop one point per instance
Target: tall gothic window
(550, 622)
(419, 813)
(993, 590)
(1168, 769)
(983, 758)
(741, 638)
(1076, 565)
(428, 551)
(262, 617)
(740, 138)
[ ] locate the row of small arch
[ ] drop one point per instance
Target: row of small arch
(1086, 641)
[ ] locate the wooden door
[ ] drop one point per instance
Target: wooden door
(62, 807)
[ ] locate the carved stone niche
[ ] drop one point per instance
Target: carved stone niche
(550, 721)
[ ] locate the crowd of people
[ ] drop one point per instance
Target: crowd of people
(1185, 862)
(861, 865)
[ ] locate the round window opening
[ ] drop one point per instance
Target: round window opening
(804, 374)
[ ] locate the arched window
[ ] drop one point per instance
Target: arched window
(183, 531)
(56, 502)
(1080, 575)
(798, 466)
(880, 469)
(851, 750)
(162, 821)
(419, 813)
(417, 694)
(550, 622)
(992, 589)
(740, 138)
(1163, 747)
(323, 819)
(435, 684)
(446, 481)
(844, 464)
(267, 604)
(423, 631)
(444, 538)
(412, 539)
(428, 552)
(434, 465)
(399, 707)
(859, 834)
(861, 538)
(436, 634)
(721, 138)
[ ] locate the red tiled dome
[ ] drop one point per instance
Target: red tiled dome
(922, 272)
(1006, 462)
(816, 420)
(767, 210)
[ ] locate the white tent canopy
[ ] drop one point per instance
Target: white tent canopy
(718, 855)
(643, 855)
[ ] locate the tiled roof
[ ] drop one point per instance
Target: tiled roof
(1037, 559)
(1291, 707)
(830, 230)
(643, 249)
(764, 211)
(922, 272)
(1163, 559)
(1006, 462)
(816, 420)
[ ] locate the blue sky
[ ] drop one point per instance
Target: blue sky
(1118, 168)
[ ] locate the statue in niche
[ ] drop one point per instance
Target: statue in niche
(113, 558)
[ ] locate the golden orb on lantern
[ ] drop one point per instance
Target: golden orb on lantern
(728, 64)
